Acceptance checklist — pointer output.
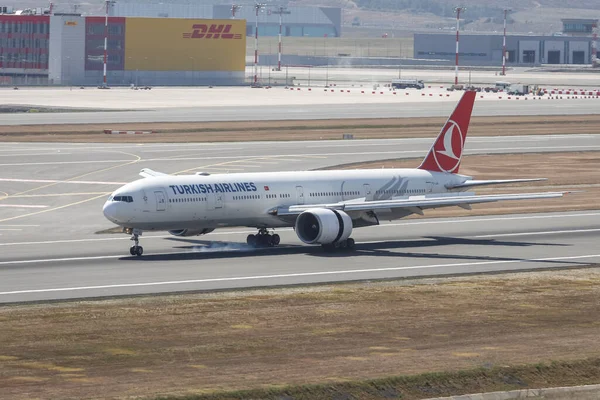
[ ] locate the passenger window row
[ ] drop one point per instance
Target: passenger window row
(187, 200)
(247, 197)
(321, 194)
(411, 191)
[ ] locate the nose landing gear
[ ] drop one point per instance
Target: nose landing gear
(136, 249)
(263, 239)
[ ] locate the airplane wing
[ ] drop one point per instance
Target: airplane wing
(416, 204)
(474, 183)
(148, 173)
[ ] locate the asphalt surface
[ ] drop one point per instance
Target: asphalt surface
(51, 197)
(357, 109)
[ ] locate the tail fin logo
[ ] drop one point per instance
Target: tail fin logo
(445, 151)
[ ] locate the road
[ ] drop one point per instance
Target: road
(51, 197)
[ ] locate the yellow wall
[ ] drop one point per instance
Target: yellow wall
(164, 44)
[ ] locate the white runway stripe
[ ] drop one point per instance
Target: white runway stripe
(21, 206)
(278, 276)
(59, 181)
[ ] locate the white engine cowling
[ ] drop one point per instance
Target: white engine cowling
(323, 226)
(191, 232)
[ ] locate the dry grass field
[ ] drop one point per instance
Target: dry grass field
(274, 339)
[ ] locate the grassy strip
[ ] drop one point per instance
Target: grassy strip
(284, 339)
(423, 386)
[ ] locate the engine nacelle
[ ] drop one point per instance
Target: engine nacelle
(323, 226)
(191, 232)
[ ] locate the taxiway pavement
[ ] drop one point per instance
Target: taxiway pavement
(51, 196)
(246, 104)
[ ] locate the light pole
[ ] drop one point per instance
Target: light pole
(257, 8)
(108, 4)
(457, 10)
(595, 45)
(506, 10)
(280, 10)
(234, 9)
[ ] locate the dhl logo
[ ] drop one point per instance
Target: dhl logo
(214, 31)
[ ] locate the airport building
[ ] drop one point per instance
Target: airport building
(571, 46)
(296, 21)
(68, 49)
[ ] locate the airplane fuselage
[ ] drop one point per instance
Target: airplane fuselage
(226, 200)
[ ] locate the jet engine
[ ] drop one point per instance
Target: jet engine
(323, 226)
(191, 232)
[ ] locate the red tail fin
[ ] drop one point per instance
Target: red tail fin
(446, 152)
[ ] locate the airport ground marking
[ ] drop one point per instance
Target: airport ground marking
(54, 209)
(398, 153)
(275, 276)
(390, 225)
(59, 181)
(137, 158)
(27, 196)
(22, 206)
(538, 233)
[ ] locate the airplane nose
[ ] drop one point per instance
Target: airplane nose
(110, 211)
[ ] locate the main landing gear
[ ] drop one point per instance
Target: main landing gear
(347, 244)
(263, 239)
(136, 249)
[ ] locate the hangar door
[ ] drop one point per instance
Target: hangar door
(554, 57)
(579, 57)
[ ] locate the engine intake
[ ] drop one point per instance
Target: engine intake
(323, 226)
(191, 232)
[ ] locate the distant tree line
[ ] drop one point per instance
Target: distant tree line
(435, 7)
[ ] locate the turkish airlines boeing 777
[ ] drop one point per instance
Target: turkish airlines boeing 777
(322, 206)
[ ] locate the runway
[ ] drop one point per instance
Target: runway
(96, 267)
(51, 197)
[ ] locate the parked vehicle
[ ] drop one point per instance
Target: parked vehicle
(518, 90)
(407, 83)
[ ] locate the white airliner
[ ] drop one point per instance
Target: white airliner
(322, 206)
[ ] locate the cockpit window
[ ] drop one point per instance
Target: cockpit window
(126, 199)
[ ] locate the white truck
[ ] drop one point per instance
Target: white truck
(518, 90)
(407, 83)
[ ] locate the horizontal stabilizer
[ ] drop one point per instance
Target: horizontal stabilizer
(474, 183)
(148, 173)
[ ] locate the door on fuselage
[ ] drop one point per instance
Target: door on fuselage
(367, 192)
(299, 195)
(214, 201)
(161, 200)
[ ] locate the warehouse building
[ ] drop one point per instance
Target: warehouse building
(296, 21)
(521, 50)
(68, 49)
(571, 46)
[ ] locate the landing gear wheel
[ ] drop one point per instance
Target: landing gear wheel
(350, 243)
(275, 239)
(136, 249)
(263, 239)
